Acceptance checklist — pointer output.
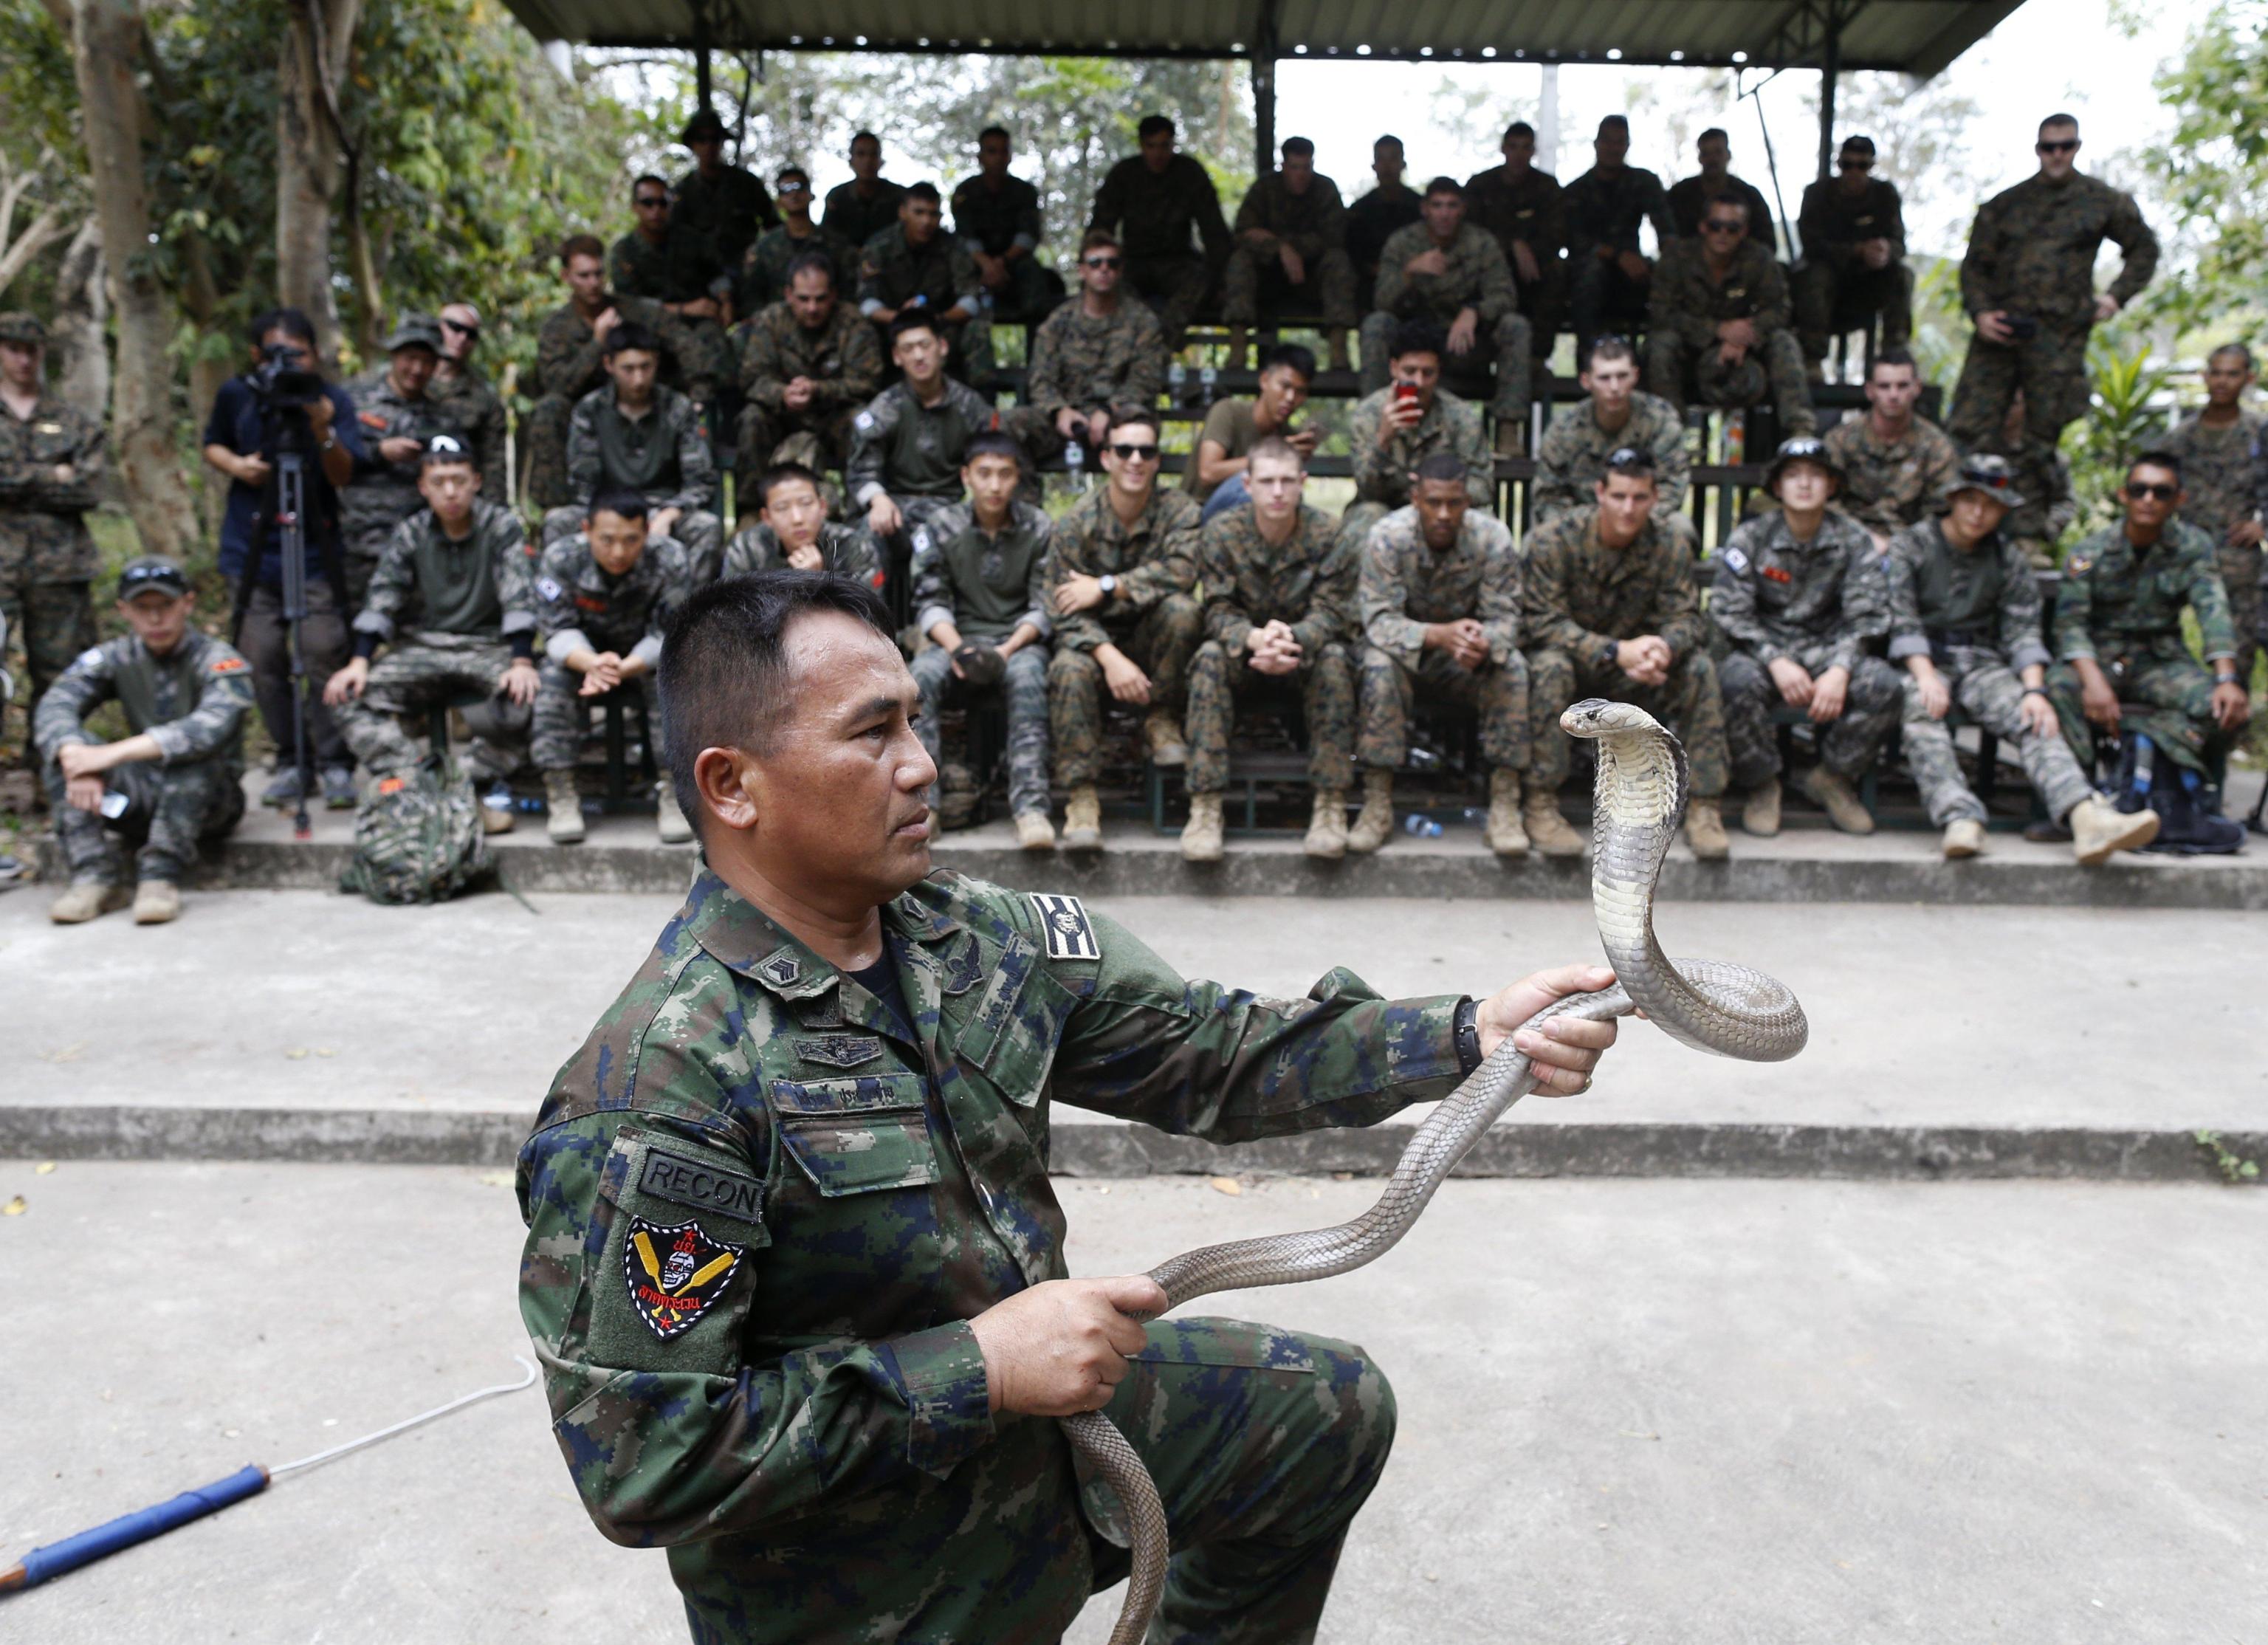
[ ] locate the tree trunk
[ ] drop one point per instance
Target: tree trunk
(78, 358)
(106, 39)
(309, 162)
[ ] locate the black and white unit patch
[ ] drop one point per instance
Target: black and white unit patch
(1070, 934)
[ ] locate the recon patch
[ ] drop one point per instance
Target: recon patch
(839, 1051)
(703, 1187)
(675, 1274)
(1071, 934)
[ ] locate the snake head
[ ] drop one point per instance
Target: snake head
(1596, 716)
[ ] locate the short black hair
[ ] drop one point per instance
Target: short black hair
(1382, 140)
(643, 178)
(1418, 336)
(1517, 128)
(1717, 132)
(796, 172)
(1299, 146)
(724, 664)
(2060, 119)
(2237, 349)
(626, 504)
(858, 137)
(807, 261)
(1298, 356)
(991, 132)
(780, 474)
(2165, 460)
(1441, 465)
(1893, 356)
(1151, 125)
(926, 191)
(992, 443)
(915, 319)
(292, 323)
(1620, 122)
(627, 335)
(1445, 185)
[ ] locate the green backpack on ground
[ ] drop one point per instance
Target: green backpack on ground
(417, 836)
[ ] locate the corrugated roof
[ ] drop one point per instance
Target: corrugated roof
(1916, 36)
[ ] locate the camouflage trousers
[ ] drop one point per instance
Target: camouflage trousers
(1025, 688)
(2169, 700)
(1824, 293)
(1497, 693)
(169, 810)
(819, 441)
(1252, 273)
(1160, 642)
(1176, 286)
(1847, 744)
(358, 556)
(437, 671)
(2052, 371)
(1030, 295)
(562, 716)
(1687, 702)
(1508, 346)
(547, 451)
(1773, 371)
(1601, 298)
(53, 623)
(1325, 682)
(325, 646)
(697, 531)
(1986, 690)
(2240, 574)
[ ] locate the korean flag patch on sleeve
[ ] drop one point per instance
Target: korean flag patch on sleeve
(1737, 560)
(548, 587)
(1070, 934)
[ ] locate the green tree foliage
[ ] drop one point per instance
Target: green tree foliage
(2212, 174)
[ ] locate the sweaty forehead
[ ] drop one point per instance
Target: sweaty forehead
(838, 668)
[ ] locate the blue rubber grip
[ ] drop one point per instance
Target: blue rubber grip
(142, 1524)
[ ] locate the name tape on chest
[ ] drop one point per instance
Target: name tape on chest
(1069, 932)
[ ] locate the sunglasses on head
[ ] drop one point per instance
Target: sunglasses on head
(139, 577)
(459, 328)
(1101, 262)
(2140, 491)
(1126, 451)
(795, 188)
(2064, 146)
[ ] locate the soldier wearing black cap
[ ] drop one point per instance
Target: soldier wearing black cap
(1854, 247)
(726, 205)
(174, 781)
(51, 460)
(398, 418)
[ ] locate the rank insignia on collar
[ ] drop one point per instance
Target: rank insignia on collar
(1071, 934)
(780, 971)
(675, 1274)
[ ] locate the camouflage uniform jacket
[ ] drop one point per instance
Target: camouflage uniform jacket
(894, 273)
(1310, 224)
(1942, 597)
(569, 363)
(856, 220)
(1154, 212)
(1477, 278)
(1532, 209)
(1573, 455)
(192, 704)
(986, 584)
(845, 550)
(1088, 362)
(1581, 597)
(1890, 484)
(2220, 470)
(1607, 211)
(1776, 596)
(1373, 219)
(581, 607)
(900, 446)
(1832, 222)
(383, 493)
(2032, 247)
(430, 584)
(43, 533)
(1405, 583)
(760, 1216)
(727, 212)
(763, 267)
(1154, 557)
(681, 269)
(1688, 202)
(1689, 301)
(2043, 480)
(993, 220)
(1381, 473)
(842, 358)
(664, 457)
(1308, 580)
(2116, 603)
(479, 411)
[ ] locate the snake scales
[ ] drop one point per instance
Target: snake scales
(1710, 1006)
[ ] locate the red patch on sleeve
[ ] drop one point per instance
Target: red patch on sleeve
(230, 665)
(370, 419)
(589, 602)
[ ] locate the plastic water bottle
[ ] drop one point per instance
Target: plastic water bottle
(1075, 459)
(1421, 826)
(1206, 379)
(1177, 379)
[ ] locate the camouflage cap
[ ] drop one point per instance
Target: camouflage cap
(150, 575)
(1801, 448)
(415, 331)
(1982, 471)
(17, 326)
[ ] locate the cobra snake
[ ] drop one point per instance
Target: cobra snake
(1710, 1006)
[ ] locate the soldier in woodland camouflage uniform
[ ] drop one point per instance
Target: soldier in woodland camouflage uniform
(794, 1262)
(1801, 599)
(1446, 269)
(1291, 219)
(1719, 318)
(1101, 349)
(762, 277)
(1438, 599)
(1527, 211)
(2118, 630)
(808, 364)
(634, 435)
(916, 265)
(1689, 200)
(675, 265)
(51, 463)
(1123, 570)
(1390, 432)
(996, 218)
(176, 779)
(1610, 607)
(398, 419)
(2223, 466)
(1618, 415)
(1965, 625)
(791, 531)
(1153, 202)
(471, 399)
(2028, 281)
(1279, 585)
(1895, 462)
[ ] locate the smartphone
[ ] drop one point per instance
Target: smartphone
(1405, 393)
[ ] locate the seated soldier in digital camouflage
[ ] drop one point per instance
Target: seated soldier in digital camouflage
(1393, 431)
(1614, 414)
(174, 781)
(794, 1263)
(602, 598)
(636, 434)
(1800, 600)
(1719, 323)
(791, 531)
(451, 603)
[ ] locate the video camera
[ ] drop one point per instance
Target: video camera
(282, 385)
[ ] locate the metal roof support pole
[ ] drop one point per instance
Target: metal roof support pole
(1830, 67)
(1264, 92)
(703, 81)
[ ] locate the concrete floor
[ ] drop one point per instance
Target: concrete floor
(1974, 1015)
(1699, 1413)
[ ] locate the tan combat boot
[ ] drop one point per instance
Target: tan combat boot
(1550, 832)
(1760, 813)
(2098, 828)
(1239, 356)
(1375, 823)
(1505, 838)
(1327, 828)
(1083, 819)
(1964, 837)
(1201, 834)
(564, 803)
(83, 902)
(1834, 791)
(1163, 735)
(1705, 830)
(1336, 339)
(668, 821)
(1034, 831)
(157, 902)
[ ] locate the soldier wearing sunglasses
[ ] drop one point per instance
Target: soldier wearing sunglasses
(461, 388)
(1097, 352)
(1853, 230)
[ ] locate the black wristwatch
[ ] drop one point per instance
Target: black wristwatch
(1610, 653)
(2035, 691)
(1468, 1026)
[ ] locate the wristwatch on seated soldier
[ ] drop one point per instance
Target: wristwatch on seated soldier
(1108, 584)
